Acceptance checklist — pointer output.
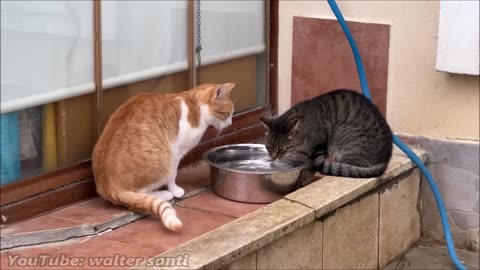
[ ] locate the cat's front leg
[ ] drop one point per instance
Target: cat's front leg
(177, 191)
(318, 161)
(319, 150)
(306, 177)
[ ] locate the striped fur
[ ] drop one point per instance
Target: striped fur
(347, 170)
(146, 203)
(342, 125)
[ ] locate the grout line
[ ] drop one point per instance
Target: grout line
(192, 193)
(67, 247)
(118, 222)
(323, 245)
(295, 201)
(461, 211)
(67, 219)
(207, 211)
(43, 237)
(127, 244)
(378, 233)
(63, 234)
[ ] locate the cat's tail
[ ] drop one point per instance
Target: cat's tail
(150, 204)
(347, 170)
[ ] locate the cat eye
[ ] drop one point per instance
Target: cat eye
(225, 115)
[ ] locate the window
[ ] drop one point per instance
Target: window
(51, 100)
(46, 57)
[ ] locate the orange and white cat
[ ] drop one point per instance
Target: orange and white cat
(144, 140)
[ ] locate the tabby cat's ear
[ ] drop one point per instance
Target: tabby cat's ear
(267, 122)
(293, 125)
(222, 92)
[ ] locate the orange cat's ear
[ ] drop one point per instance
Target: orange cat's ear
(223, 91)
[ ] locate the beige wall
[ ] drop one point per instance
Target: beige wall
(421, 101)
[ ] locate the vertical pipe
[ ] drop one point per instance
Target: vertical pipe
(191, 43)
(273, 54)
(97, 56)
(267, 50)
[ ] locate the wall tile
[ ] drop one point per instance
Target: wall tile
(459, 193)
(301, 249)
(322, 59)
(399, 218)
(465, 220)
(455, 167)
(350, 236)
(247, 262)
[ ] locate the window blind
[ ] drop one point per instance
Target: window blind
(47, 46)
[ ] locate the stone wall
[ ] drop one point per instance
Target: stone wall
(455, 167)
(367, 233)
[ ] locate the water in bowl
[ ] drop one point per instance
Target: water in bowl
(259, 165)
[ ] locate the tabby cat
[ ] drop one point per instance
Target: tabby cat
(141, 146)
(342, 132)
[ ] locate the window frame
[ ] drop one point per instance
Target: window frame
(37, 195)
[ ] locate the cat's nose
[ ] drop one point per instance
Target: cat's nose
(274, 156)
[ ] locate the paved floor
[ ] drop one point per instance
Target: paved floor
(435, 257)
(200, 210)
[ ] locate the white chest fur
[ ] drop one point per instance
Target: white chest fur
(188, 136)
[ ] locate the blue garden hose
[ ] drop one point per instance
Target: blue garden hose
(399, 143)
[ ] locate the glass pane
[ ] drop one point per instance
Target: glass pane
(143, 40)
(232, 35)
(231, 28)
(116, 96)
(46, 58)
(144, 49)
(44, 138)
(46, 52)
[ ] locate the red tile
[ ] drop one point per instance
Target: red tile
(93, 211)
(194, 177)
(41, 223)
(16, 258)
(322, 59)
(150, 233)
(210, 202)
(97, 253)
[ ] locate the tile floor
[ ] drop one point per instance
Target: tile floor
(141, 239)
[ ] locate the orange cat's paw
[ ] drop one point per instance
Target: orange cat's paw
(177, 191)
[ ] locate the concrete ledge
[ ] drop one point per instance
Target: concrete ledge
(237, 240)
(330, 192)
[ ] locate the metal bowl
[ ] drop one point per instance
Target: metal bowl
(245, 173)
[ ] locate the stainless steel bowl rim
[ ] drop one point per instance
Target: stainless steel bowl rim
(219, 166)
